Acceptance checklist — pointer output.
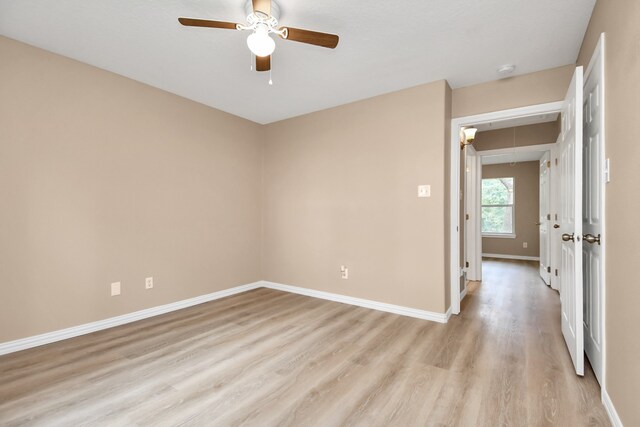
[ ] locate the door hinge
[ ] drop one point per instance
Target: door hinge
(466, 264)
(548, 163)
(556, 272)
(548, 269)
(549, 216)
(467, 216)
(556, 161)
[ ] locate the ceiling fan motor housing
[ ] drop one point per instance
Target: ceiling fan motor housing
(275, 9)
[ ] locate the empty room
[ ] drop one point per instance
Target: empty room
(329, 213)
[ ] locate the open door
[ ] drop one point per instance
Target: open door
(570, 220)
(544, 218)
(593, 211)
(555, 240)
(473, 236)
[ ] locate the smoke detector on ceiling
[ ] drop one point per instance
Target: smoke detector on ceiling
(506, 70)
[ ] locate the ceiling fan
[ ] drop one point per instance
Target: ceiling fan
(262, 20)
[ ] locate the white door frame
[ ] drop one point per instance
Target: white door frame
(544, 221)
(473, 245)
(542, 149)
(554, 235)
(454, 189)
(518, 150)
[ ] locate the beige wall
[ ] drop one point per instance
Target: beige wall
(526, 176)
(104, 179)
(520, 91)
(341, 189)
(619, 19)
(113, 180)
(541, 133)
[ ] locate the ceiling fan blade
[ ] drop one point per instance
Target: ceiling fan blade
(312, 37)
(192, 22)
(263, 63)
(263, 6)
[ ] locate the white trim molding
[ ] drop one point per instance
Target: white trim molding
(518, 150)
(504, 256)
(375, 305)
(499, 235)
(464, 291)
(611, 410)
(87, 328)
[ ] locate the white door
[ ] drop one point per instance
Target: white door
(544, 218)
(555, 242)
(570, 213)
(593, 212)
(473, 239)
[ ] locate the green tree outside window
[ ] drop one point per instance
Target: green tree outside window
(497, 205)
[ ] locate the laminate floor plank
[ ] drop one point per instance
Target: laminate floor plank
(270, 358)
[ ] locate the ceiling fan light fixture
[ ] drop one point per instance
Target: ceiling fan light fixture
(260, 43)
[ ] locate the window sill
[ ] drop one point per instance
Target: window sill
(499, 236)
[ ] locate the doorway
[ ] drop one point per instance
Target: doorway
(500, 191)
(579, 161)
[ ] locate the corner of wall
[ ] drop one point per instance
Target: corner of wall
(262, 138)
(448, 96)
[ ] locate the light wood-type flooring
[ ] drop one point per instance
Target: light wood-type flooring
(266, 358)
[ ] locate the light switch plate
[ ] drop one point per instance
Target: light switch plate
(424, 191)
(115, 289)
(344, 272)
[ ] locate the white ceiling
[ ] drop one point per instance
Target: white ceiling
(384, 46)
(519, 121)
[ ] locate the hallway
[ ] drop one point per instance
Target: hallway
(515, 322)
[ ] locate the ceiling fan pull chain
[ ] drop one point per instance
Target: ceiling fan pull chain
(271, 68)
(515, 159)
(251, 60)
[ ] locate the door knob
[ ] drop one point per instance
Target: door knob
(566, 237)
(590, 238)
(556, 225)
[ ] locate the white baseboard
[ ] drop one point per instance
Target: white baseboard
(464, 292)
(503, 256)
(87, 328)
(611, 410)
(380, 306)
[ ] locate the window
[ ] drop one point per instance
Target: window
(498, 211)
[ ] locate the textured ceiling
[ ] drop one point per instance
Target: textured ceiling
(384, 46)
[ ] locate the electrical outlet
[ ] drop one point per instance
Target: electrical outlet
(424, 191)
(148, 283)
(525, 245)
(344, 272)
(115, 289)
